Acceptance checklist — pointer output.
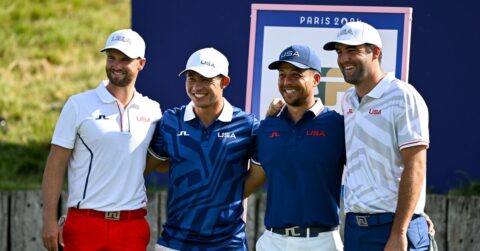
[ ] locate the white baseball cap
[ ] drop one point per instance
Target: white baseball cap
(355, 33)
(208, 62)
(126, 41)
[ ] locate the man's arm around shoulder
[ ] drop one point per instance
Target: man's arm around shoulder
(255, 178)
(155, 163)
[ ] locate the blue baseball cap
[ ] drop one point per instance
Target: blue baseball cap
(300, 56)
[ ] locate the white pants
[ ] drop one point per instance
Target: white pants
(327, 241)
(162, 248)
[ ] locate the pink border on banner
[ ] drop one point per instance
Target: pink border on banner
(406, 44)
(251, 53)
(335, 8)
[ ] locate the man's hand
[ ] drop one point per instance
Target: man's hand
(397, 242)
(275, 106)
(52, 235)
(400, 241)
(431, 229)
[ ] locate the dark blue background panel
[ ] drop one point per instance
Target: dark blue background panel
(443, 63)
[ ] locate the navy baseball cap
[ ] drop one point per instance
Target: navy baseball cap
(300, 56)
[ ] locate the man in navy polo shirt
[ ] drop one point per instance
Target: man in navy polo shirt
(302, 153)
(208, 144)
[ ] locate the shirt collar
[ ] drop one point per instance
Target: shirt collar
(382, 86)
(103, 93)
(225, 116)
(316, 109)
(107, 97)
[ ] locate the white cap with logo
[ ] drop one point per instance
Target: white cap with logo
(127, 41)
(208, 62)
(355, 33)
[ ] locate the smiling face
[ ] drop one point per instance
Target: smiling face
(355, 62)
(297, 85)
(205, 92)
(122, 70)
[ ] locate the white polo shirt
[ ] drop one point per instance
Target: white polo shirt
(109, 143)
(391, 117)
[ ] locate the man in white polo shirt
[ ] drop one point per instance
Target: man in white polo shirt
(386, 134)
(102, 136)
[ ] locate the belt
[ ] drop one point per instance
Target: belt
(111, 215)
(301, 231)
(365, 220)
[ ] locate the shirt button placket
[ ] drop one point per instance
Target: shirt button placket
(205, 137)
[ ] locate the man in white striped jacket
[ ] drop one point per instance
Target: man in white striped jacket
(386, 134)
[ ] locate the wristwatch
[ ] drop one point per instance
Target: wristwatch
(61, 220)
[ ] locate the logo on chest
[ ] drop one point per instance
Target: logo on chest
(143, 119)
(375, 111)
(101, 116)
(315, 133)
(226, 135)
(274, 135)
(183, 133)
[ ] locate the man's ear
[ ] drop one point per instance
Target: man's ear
(316, 77)
(376, 51)
(225, 82)
(142, 63)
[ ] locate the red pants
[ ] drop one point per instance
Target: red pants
(89, 233)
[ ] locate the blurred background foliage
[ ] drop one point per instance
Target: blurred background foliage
(49, 50)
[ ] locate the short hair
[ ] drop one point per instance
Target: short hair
(371, 47)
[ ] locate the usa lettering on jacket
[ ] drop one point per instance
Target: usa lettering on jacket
(226, 135)
(316, 133)
(375, 111)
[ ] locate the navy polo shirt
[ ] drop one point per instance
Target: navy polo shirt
(304, 165)
(206, 177)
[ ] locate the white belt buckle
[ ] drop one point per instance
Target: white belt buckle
(115, 215)
(291, 231)
(362, 220)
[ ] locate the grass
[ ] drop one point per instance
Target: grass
(49, 50)
(471, 189)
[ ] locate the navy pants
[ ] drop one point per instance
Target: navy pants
(371, 231)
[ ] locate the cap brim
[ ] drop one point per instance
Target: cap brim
(204, 71)
(330, 46)
(275, 65)
(123, 50)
